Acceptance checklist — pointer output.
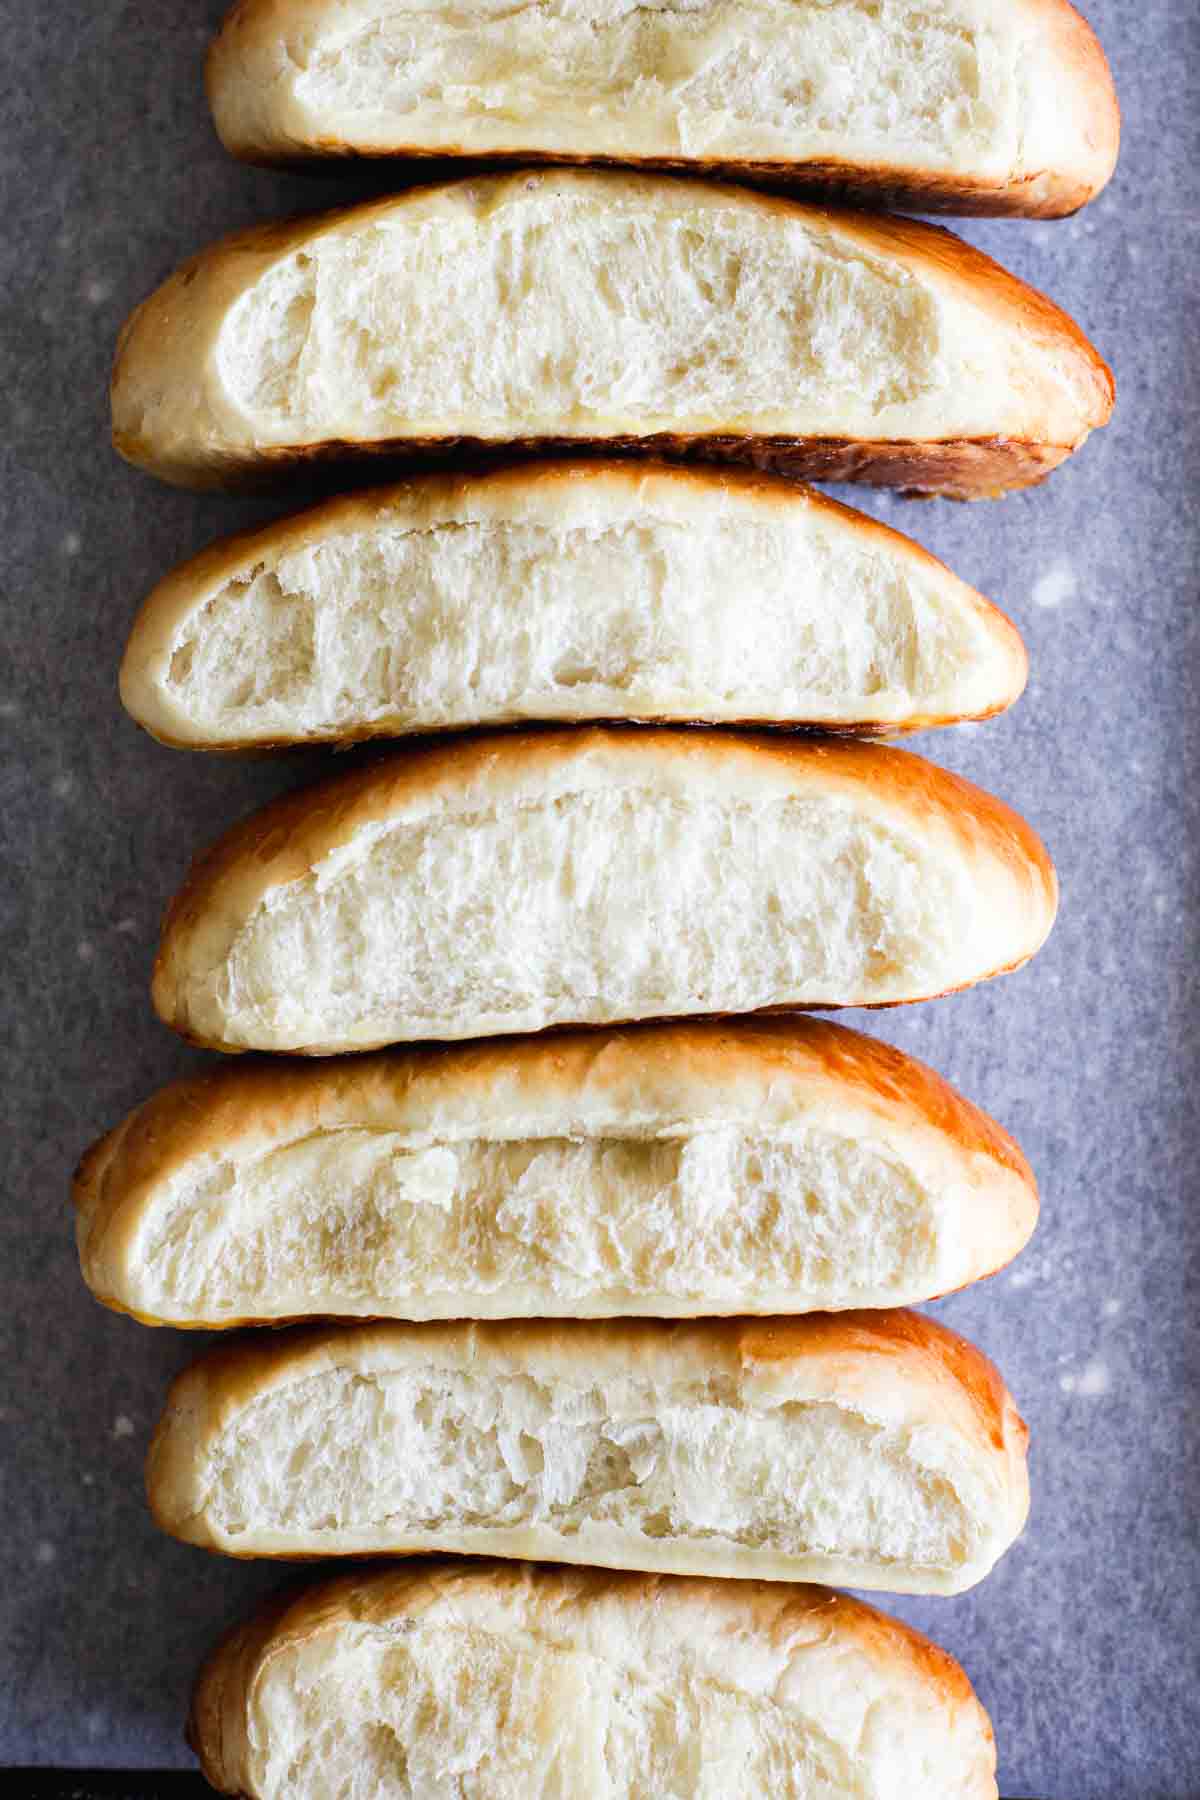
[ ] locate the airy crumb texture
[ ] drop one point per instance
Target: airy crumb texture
(976, 105)
(675, 1170)
(592, 306)
(869, 1448)
(557, 1684)
(565, 592)
(514, 883)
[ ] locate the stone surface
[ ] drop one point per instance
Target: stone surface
(1083, 1644)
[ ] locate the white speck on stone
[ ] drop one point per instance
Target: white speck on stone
(96, 292)
(61, 786)
(9, 709)
(88, 1479)
(1056, 586)
(72, 544)
(123, 1426)
(127, 927)
(1161, 903)
(45, 1554)
(1092, 1381)
(85, 951)
(1111, 1307)
(1031, 1268)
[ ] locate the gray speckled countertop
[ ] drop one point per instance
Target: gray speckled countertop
(1084, 1642)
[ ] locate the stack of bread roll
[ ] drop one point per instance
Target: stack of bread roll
(596, 1267)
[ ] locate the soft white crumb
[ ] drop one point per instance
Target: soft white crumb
(123, 1426)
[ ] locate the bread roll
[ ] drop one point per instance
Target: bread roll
(671, 1170)
(589, 307)
(564, 592)
(987, 106)
(570, 1684)
(589, 877)
(870, 1449)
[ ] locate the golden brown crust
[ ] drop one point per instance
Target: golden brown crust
(1088, 98)
(756, 1069)
(781, 1615)
(174, 324)
(1083, 83)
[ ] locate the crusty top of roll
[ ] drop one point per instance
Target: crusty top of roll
(1020, 373)
(1042, 74)
(761, 1074)
(835, 1660)
(596, 497)
(283, 843)
(561, 1084)
(899, 1365)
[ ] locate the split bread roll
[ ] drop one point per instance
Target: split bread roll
(984, 106)
(564, 592)
(870, 1449)
(572, 1684)
(574, 307)
(757, 1167)
(509, 883)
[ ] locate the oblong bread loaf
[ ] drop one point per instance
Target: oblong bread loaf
(671, 1170)
(510, 883)
(564, 592)
(551, 1683)
(973, 106)
(872, 1449)
(589, 307)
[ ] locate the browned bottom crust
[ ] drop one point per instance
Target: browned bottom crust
(1040, 195)
(799, 728)
(955, 468)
